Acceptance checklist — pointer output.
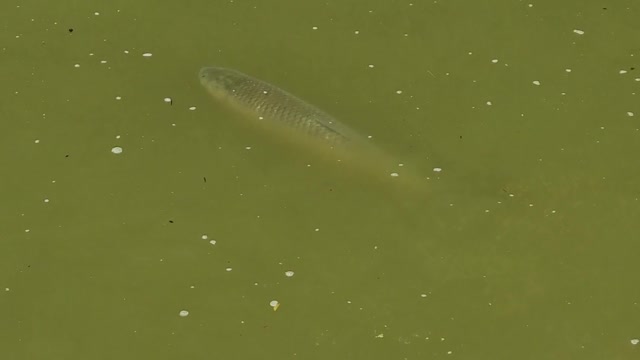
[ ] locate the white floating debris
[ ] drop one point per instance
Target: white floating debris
(247, 147)
(536, 82)
(423, 295)
(357, 32)
(212, 242)
(184, 313)
(168, 100)
(147, 55)
(398, 92)
(379, 336)
(629, 113)
(635, 341)
(37, 141)
(228, 269)
(567, 70)
(315, 28)
(116, 150)
(579, 32)
(46, 200)
(204, 237)
(76, 65)
(622, 71)
(274, 304)
(394, 174)
(118, 98)
(489, 103)
(637, 79)
(192, 108)
(437, 169)
(371, 66)
(289, 273)
(96, 13)
(495, 61)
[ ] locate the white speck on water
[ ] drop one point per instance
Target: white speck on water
(567, 70)
(96, 13)
(357, 32)
(37, 141)
(530, 5)
(147, 55)
(76, 65)
(184, 313)
(126, 51)
(637, 79)
(578, 31)
(622, 71)
(629, 113)
(46, 200)
(289, 273)
(212, 242)
(117, 136)
(27, 230)
(6, 289)
(371, 66)
(192, 108)
(204, 236)
(394, 174)
(116, 150)
(423, 295)
(495, 61)
(247, 147)
(437, 169)
(274, 304)
(489, 103)
(633, 341)
(536, 82)
(118, 98)
(168, 100)
(103, 61)
(317, 229)
(379, 336)
(398, 92)
(315, 28)
(228, 269)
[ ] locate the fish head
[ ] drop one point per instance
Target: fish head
(220, 82)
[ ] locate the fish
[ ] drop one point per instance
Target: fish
(305, 123)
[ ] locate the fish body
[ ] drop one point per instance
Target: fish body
(269, 103)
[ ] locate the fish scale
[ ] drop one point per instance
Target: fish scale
(271, 103)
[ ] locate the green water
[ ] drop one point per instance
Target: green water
(526, 247)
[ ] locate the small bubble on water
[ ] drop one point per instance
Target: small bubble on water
(184, 313)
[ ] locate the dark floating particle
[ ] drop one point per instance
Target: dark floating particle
(171, 221)
(205, 179)
(70, 30)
